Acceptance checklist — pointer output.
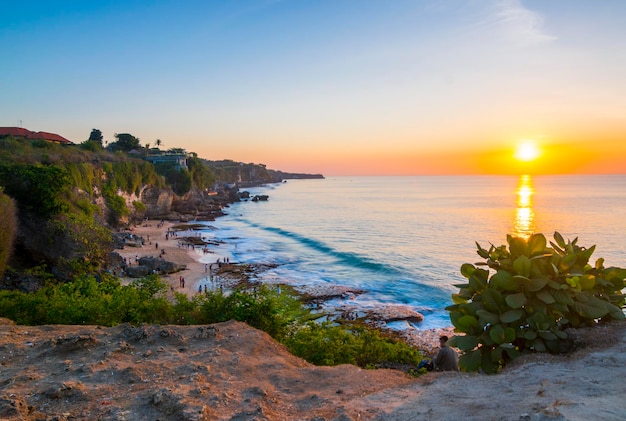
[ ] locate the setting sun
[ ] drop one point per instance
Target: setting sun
(526, 151)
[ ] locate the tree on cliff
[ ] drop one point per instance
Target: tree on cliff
(8, 229)
(125, 142)
(201, 174)
(94, 143)
(96, 136)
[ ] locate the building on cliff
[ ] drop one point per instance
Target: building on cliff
(178, 159)
(22, 133)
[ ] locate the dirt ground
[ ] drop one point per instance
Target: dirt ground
(230, 371)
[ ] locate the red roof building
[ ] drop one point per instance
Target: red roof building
(14, 131)
(19, 132)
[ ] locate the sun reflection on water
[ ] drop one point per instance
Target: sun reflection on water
(524, 224)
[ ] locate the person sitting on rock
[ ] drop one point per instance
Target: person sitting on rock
(446, 359)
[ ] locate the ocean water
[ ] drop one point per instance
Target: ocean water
(403, 239)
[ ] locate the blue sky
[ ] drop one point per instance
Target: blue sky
(343, 86)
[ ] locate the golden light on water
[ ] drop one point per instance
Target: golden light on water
(524, 224)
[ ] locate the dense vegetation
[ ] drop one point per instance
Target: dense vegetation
(106, 302)
(8, 229)
(536, 293)
(36, 188)
(55, 190)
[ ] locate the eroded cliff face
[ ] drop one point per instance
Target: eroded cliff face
(158, 201)
(164, 204)
(201, 206)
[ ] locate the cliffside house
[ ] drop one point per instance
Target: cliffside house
(22, 133)
(178, 159)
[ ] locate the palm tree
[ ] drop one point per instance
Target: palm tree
(158, 143)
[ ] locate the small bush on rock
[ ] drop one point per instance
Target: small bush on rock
(326, 344)
(536, 292)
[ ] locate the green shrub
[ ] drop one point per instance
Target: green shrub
(139, 207)
(86, 300)
(85, 207)
(185, 311)
(24, 308)
(201, 174)
(38, 188)
(116, 204)
(43, 144)
(83, 176)
(128, 176)
(263, 308)
(328, 344)
(11, 144)
(535, 294)
(8, 229)
(150, 286)
(90, 240)
(179, 179)
(106, 302)
(91, 145)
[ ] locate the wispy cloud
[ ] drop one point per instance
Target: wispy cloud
(517, 24)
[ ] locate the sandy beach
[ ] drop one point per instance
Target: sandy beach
(157, 241)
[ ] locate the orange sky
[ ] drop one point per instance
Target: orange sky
(555, 158)
(600, 158)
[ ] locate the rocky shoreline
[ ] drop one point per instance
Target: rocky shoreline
(178, 256)
(180, 214)
(197, 206)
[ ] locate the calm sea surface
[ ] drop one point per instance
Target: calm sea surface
(403, 239)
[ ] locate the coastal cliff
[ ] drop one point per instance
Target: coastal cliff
(62, 202)
(194, 205)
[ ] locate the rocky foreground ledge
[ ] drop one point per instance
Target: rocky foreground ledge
(230, 371)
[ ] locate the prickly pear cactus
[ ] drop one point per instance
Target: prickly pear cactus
(524, 296)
